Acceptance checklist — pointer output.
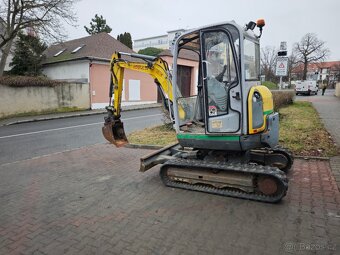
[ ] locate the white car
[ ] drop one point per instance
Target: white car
(306, 88)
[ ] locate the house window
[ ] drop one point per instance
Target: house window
(78, 48)
(59, 52)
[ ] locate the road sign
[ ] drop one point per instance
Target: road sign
(281, 66)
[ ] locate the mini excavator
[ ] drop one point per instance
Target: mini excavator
(226, 128)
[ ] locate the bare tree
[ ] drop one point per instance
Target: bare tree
(43, 16)
(268, 61)
(292, 63)
(310, 50)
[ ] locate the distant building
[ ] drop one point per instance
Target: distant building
(161, 41)
(319, 71)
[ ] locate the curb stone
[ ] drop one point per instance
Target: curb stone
(51, 118)
(335, 167)
(311, 157)
(143, 146)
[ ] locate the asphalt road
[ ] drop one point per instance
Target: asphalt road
(28, 140)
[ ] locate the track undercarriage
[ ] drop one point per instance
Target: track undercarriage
(254, 175)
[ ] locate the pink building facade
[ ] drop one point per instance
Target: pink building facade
(137, 87)
(190, 66)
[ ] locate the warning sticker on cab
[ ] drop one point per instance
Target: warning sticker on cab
(216, 124)
(212, 110)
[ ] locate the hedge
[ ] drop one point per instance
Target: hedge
(28, 81)
(282, 98)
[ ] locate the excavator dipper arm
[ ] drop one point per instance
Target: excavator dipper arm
(157, 68)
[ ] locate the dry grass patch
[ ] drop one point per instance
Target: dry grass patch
(303, 133)
(159, 135)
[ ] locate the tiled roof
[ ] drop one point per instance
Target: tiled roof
(184, 54)
(333, 65)
(98, 46)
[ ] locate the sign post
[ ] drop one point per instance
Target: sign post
(282, 62)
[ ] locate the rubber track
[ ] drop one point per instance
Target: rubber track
(238, 168)
(279, 149)
(289, 154)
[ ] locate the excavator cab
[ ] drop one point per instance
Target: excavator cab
(211, 111)
(228, 108)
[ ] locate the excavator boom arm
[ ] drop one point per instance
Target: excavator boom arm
(157, 68)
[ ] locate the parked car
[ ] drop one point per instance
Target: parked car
(306, 88)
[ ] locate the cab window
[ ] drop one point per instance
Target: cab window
(251, 60)
(220, 71)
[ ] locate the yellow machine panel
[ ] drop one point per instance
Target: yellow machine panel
(265, 101)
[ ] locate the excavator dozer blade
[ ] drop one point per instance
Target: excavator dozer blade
(113, 131)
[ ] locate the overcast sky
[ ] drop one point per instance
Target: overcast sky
(285, 20)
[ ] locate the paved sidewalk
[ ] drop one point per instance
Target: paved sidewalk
(93, 200)
(17, 120)
(328, 107)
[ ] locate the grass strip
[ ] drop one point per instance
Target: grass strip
(301, 131)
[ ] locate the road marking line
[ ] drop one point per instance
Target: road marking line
(70, 127)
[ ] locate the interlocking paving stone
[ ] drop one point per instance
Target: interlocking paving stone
(93, 200)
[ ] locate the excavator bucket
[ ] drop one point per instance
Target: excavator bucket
(113, 131)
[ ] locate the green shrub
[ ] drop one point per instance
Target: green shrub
(28, 81)
(282, 98)
(270, 85)
(151, 51)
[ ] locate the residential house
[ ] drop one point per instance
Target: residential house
(87, 59)
(319, 71)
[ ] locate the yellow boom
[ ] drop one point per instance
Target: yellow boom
(157, 68)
